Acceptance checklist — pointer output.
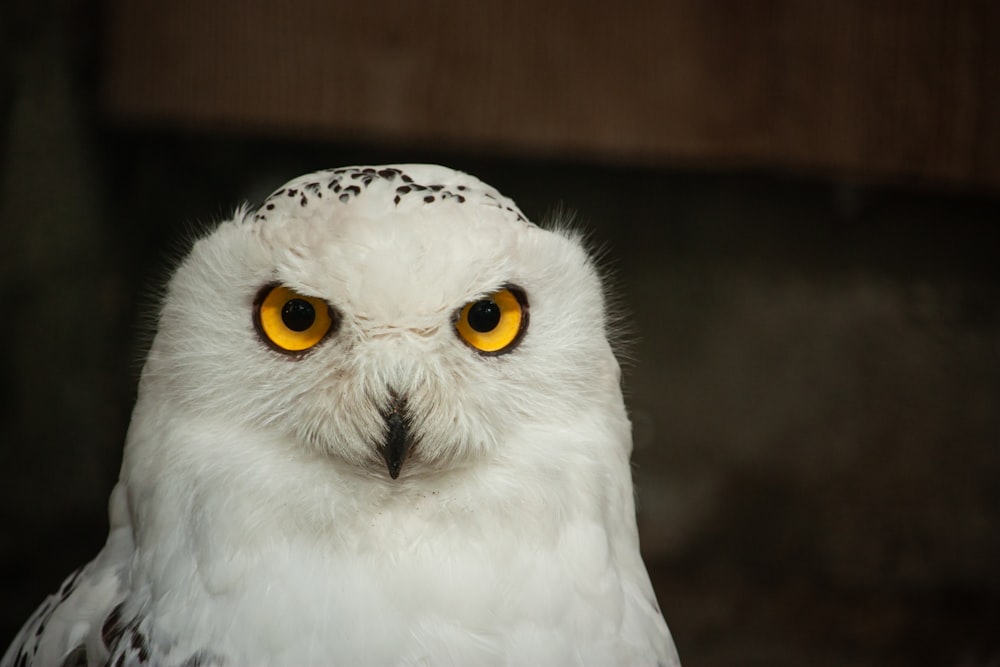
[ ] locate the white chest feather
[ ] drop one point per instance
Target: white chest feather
(455, 570)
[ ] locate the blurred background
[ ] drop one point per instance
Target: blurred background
(800, 200)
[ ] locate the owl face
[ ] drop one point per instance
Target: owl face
(402, 321)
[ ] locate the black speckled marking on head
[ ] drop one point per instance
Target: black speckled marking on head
(350, 182)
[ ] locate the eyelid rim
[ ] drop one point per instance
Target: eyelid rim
(522, 299)
(295, 355)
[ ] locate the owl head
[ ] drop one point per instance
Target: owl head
(401, 322)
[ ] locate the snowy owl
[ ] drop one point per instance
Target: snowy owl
(380, 423)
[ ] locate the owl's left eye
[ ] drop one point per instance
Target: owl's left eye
(291, 322)
(494, 324)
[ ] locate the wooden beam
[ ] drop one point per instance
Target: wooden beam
(891, 89)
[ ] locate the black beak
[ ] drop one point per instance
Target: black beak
(397, 435)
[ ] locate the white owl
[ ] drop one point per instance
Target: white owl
(380, 424)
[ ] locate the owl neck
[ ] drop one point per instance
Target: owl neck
(218, 492)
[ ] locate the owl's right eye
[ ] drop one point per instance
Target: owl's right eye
(291, 322)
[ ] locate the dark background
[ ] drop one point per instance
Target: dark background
(815, 373)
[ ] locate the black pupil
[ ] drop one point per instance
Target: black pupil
(298, 314)
(484, 316)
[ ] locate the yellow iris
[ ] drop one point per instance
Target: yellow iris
(494, 324)
(291, 322)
